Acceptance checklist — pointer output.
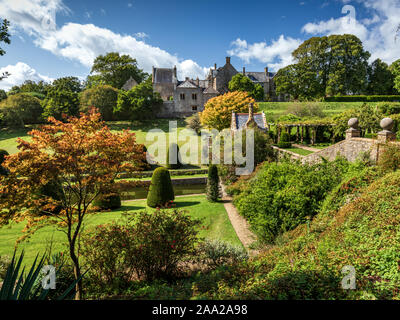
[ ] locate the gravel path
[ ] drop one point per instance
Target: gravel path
(239, 223)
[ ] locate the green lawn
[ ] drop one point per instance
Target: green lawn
(299, 151)
(200, 175)
(274, 110)
(141, 128)
(214, 216)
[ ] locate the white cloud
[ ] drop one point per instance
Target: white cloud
(19, 73)
(83, 42)
(32, 16)
(277, 54)
(141, 35)
(377, 33)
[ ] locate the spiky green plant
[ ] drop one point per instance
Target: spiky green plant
(17, 287)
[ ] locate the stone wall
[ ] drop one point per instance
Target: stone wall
(351, 149)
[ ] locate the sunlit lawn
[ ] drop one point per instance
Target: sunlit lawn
(214, 217)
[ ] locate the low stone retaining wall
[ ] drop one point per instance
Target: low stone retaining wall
(182, 181)
(283, 152)
(351, 149)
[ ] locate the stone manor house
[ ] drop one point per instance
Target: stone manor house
(184, 98)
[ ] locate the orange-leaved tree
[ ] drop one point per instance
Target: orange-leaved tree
(82, 156)
(217, 112)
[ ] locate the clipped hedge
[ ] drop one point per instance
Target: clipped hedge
(364, 98)
(213, 190)
(160, 191)
(173, 163)
(149, 174)
(108, 201)
(284, 141)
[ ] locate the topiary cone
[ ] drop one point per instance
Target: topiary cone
(160, 191)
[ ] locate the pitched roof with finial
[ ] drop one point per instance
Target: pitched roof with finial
(244, 120)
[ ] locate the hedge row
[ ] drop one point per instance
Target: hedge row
(149, 174)
(364, 98)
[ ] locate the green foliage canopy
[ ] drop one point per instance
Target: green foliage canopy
(240, 82)
(103, 97)
(114, 69)
(141, 102)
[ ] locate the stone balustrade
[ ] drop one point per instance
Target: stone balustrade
(353, 146)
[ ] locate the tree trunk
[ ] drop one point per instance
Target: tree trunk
(77, 272)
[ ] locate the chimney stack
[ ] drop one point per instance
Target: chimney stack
(152, 75)
(244, 71)
(175, 71)
(197, 81)
(250, 120)
(228, 60)
(215, 66)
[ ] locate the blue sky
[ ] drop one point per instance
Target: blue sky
(190, 34)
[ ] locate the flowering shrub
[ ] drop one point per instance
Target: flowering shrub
(218, 111)
(148, 245)
(104, 249)
(215, 253)
(161, 240)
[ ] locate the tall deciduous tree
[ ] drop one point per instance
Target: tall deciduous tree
(4, 37)
(103, 97)
(62, 98)
(287, 82)
(395, 69)
(114, 69)
(84, 156)
(217, 112)
(326, 66)
(380, 78)
(141, 102)
(40, 87)
(240, 82)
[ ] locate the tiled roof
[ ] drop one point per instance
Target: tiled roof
(259, 76)
(210, 90)
(187, 84)
(241, 119)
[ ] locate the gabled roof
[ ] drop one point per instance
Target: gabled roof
(210, 90)
(240, 120)
(129, 84)
(259, 76)
(187, 84)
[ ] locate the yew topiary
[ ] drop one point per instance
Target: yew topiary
(173, 162)
(213, 189)
(160, 191)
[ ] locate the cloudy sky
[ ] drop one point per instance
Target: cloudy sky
(55, 38)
